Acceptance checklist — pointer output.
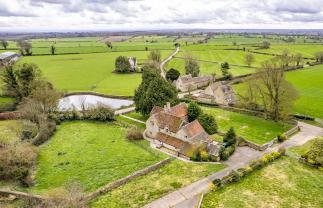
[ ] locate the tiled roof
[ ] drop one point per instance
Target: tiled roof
(192, 129)
(156, 109)
(167, 120)
(173, 141)
(179, 110)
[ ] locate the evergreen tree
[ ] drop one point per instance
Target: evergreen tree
(230, 137)
(208, 123)
(153, 91)
(193, 111)
(172, 74)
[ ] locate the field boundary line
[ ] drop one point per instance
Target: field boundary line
(125, 180)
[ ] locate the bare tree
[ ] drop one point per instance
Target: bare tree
(298, 58)
(155, 56)
(249, 59)
(269, 89)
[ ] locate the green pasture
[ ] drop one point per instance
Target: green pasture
(309, 84)
(91, 153)
(10, 131)
(156, 184)
(207, 68)
(252, 128)
(89, 72)
(285, 183)
(307, 50)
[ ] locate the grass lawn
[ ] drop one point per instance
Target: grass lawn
(300, 150)
(89, 72)
(252, 128)
(309, 83)
(156, 184)
(91, 153)
(285, 183)
(10, 131)
(137, 116)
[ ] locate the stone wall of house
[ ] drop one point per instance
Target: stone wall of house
(127, 179)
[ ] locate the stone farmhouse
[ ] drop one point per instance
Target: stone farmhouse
(187, 82)
(133, 63)
(8, 58)
(219, 93)
(168, 129)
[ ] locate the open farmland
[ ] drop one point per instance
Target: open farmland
(93, 154)
(84, 45)
(252, 128)
(89, 72)
(307, 50)
(309, 84)
(285, 183)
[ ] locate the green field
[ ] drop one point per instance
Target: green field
(93, 154)
(307, 50)
(207, 68)
(89, 72)
(84, 45)
(309, 84)
(252, 128)
(10, 131)
(156, 184)
(285, 183)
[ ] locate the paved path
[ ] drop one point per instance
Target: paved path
(162, 64)
(124, 111)
(133, 119)
(240, 158)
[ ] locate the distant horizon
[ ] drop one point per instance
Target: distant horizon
(164, 30)
(144, 15)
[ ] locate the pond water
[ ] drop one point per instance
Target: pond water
(77, 101)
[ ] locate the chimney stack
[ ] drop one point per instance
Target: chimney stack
(167, 107)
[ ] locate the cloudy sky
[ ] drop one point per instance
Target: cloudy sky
(58, 15)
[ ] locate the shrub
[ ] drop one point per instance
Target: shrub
(16, 162)
(257, 164)
(224, 155)
(47, 129)
(282, 151)
(235, 176)
(204, 155)
(281, 138)
(315, 154)
(176, 185)
(217, 182)
(101, 113)
(134, 134)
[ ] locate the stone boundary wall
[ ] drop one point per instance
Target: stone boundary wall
(97, 94)
(263, 147)
(315, 63)
(22, 195)
(126, 179)
(9, 115)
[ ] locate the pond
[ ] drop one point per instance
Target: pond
(87, 101)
